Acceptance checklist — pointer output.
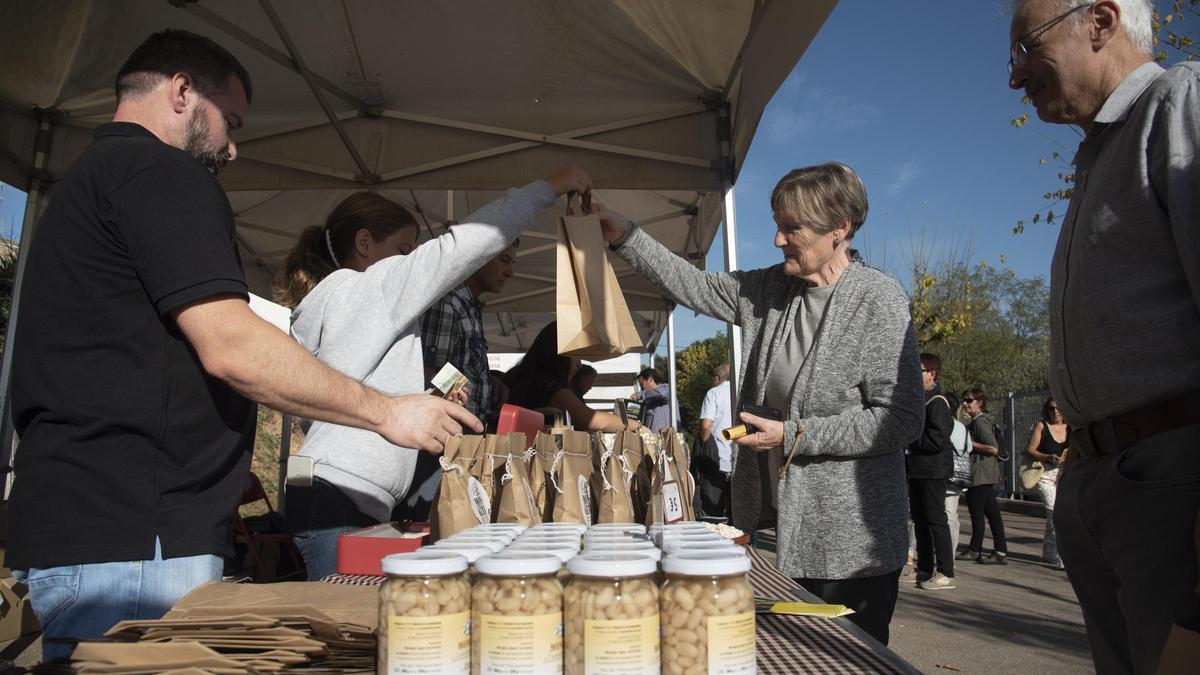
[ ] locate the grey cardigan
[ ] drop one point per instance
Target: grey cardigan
(843, 507)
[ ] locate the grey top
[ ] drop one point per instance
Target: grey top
(1125, 279)
(843, 508)
(367, 326)
(782, 376)
(985, 469)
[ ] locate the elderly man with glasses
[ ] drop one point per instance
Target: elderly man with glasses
(1125, 280)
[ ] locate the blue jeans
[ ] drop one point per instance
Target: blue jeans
(84, 601)
(316, 516)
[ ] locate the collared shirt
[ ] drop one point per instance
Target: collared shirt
(656, 411)
(1125, 279)
(716, 408)
(125, 438)
(452, 332)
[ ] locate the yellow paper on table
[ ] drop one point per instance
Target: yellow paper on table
(594, 322)
(808, 609)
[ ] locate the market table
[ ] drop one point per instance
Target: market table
(787, 644)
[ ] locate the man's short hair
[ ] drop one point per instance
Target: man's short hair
(585, 371)
(932, 362)
(721, 372)
(648, 374)
(1136, 19)
(172, 51)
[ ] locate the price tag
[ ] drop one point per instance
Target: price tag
(672, 502)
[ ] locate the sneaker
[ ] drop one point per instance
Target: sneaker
(996, 558)
(967, 554)
(938, 582)
(909, 576)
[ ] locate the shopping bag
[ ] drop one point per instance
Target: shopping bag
(593, 319)
(613, 479)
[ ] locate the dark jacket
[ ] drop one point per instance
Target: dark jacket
(932, 454)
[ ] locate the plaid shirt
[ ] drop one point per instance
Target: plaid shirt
(452, 332)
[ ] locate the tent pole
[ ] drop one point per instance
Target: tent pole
(671, 368)
(33, 208)
(285, 452)
(735, 332)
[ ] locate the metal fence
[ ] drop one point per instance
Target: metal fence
(1019, 414)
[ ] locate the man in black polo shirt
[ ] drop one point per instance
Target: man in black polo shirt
(137, 358)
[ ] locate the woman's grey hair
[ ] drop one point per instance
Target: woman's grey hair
(823, 197)
(1136, 18)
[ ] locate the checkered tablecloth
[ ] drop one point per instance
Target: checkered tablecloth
(786, 644)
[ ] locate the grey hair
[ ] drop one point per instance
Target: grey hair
(1136, 19)
(824, 196)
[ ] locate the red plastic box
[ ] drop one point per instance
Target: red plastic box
(360, 551)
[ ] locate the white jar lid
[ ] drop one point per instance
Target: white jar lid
(492, 543)
(515, 527)
(562, 552)
(518, 564)
(611, 565)
(681, 525)
(424, 563)
(481, 531)
(617, 545)
(670, 543)
(706, 563)
(615, 536)
(565, 538)
(620, 527)
(471, 551)
(578, 527)
(723, 546)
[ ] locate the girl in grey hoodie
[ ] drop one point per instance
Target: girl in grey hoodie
(359, 286)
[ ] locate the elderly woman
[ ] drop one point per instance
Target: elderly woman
(829, 343)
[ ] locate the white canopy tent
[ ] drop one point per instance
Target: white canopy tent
(437, 104)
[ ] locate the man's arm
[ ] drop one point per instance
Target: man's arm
(263, 364)
(706, 426)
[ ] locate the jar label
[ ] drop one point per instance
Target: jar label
(585, 499)
(481, 503)
(521, 644)
(731, 644)
(429, 644)
(624, 647)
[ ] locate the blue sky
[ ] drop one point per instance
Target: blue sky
(914, 96)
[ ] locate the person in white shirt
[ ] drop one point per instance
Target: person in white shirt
(715, 414)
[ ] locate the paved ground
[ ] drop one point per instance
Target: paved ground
(1016, 618)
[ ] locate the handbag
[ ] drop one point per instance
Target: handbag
(1030, 474)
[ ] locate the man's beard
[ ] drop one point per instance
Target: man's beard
(199, 143)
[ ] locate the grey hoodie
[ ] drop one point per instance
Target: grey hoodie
(367, 326)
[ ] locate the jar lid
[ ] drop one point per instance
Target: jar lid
(672, 542)
(617, 544)
(722, 546)
(706, 563)
(470, 550)
(578, 527)
(565, 538)
(515, 527)
(493, 544)
(480, 531)
(619, 527)
(682, 525)
(563, 552)
(424, 563)
(615, 536)
(518, 564)
(611, 565)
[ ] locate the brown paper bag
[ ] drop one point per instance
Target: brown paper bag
(613, 480)
(514, 494)
(460, 501)
(639, 487)
(673, 444)
(545, 447)
(593, 319)
(571, 479)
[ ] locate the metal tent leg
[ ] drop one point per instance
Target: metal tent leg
(735, 332)
(671, 369)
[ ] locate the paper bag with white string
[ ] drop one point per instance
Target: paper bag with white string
(594, 322)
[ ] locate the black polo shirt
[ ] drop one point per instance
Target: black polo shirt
(123, 435)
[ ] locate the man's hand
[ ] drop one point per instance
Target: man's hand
(612, 223)
(499, 391)
(768, 436)
(569, 179)
(425, 422)
(460, 395)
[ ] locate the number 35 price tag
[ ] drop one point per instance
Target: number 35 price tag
(672, 502)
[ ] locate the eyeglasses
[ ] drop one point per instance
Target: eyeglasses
(968, 400)
(925, 370)
(1019, 52)
(1052, 408)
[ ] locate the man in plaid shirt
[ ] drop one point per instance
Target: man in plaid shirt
(452, 332)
